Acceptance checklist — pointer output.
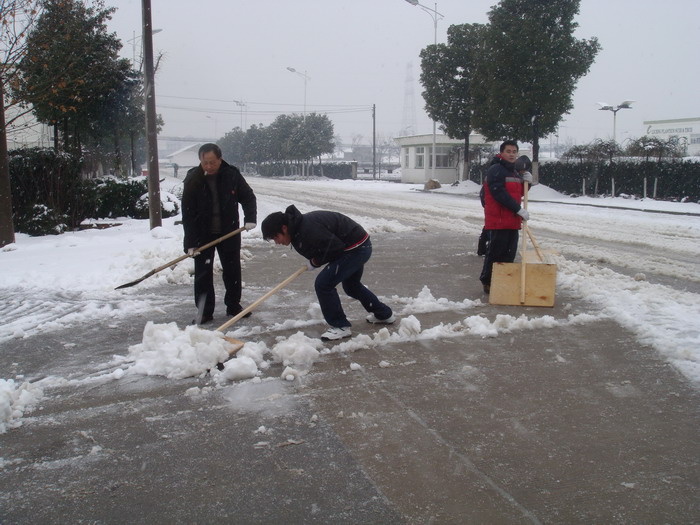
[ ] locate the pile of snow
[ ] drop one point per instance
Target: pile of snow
(15, 400)
(168, 351)
(426, 302)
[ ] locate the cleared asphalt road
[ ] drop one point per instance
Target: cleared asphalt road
(576, 423)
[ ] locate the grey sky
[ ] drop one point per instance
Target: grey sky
(356, 53)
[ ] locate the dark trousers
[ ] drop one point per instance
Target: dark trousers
(347, 270)
(502, 247)
(483, 242)
(230, 257)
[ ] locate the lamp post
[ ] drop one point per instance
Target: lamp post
(627, 104)
(241, 105)
(305, 77)
(435, 16)
(215, 124)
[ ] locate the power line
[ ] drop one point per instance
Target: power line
(366, 107)
(220, 111)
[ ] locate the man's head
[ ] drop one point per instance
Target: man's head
(210, 158)
(275, 227)
(509, 150)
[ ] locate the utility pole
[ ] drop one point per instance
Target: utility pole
(151, 129)
(374, 141)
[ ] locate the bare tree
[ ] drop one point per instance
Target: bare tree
(17, 17)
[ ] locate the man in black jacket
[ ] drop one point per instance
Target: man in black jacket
(210, 198)
(333, 239)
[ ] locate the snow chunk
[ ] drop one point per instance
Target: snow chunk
(290, 374)
(297, 350)
(243, 367)
(410, 326)
(15, 400)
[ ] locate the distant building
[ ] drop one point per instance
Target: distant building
(186, 157)
(687, 130)
(417, 158)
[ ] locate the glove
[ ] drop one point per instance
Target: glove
(249, 226)
(191, 251)
(310, 267)
(527, 176)
(524, 214)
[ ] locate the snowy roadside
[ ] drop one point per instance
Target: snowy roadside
(60, 281)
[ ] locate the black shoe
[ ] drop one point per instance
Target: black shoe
(487, 289)
(205, 319)
(235, 312)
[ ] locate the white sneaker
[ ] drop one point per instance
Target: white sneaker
(333, 333)
(371, 318)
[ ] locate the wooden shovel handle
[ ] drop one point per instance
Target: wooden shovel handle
(251, 307)
(523, 247)
(182, 258)
(540, 255)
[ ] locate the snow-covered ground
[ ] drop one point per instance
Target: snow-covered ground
(636, 267)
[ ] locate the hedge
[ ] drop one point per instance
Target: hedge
(667, 180)
(50, 195)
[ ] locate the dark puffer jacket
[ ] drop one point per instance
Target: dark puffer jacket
(323, 236)
(197, 204)
(503, 191)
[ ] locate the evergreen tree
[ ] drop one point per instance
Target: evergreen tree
(532, 63)
(447, 74)
(71, 72)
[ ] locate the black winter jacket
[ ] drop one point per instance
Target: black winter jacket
(323, 236)
(197, 204)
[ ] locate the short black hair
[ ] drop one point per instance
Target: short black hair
(206, 148)
(272, 225)
(509, 143)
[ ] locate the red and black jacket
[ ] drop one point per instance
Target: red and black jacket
(503, 192)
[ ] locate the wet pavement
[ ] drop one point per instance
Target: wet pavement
(560, 423)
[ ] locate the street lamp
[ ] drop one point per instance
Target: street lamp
(435, 16)
(305, 77)
(604, 106)
(215, 123)
(241, 105)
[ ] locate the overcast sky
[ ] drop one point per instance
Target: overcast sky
(360, 52)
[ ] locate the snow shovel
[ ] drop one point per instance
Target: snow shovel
(531, 282)
(181, 258)
(237, 344)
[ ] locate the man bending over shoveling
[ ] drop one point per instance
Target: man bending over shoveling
(335, 240)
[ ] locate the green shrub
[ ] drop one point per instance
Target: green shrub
(40, 220)
(49, 194)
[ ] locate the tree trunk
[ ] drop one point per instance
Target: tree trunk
(117, 155)
(535, 151)
(467, 163)
(134, 167)
(7, 231)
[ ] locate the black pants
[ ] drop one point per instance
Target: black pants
(230, 256)
(502, 247)
(483, 242)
